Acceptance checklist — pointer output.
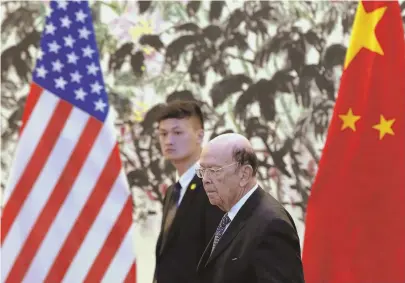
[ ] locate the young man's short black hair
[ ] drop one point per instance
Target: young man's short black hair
(181, 109)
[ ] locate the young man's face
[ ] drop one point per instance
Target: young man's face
(180, 139)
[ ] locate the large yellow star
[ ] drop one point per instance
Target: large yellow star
(363, 33)
(349, 120)
(385, 127)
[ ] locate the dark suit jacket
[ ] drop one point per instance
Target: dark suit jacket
(193, 226)
(260, 245)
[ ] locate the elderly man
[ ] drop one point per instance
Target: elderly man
(256, 240)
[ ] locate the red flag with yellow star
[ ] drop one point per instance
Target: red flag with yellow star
(355, 222)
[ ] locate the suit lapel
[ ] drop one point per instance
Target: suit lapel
(162, 235)
(226, 239)
(181, 212)
(166, 204)
(206, 254)
(237, 223)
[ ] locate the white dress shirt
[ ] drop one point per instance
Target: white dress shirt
(235, 209)
(185, 180)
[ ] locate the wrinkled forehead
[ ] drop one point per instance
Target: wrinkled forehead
(215, 155)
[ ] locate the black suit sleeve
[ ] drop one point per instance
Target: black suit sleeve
(277, 258)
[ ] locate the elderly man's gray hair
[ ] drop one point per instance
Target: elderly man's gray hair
(245, 156)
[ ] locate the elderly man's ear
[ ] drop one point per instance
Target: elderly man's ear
(246, 174)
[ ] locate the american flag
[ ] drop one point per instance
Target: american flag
(68, 211)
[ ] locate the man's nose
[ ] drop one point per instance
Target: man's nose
(205, 178)
(169, 139)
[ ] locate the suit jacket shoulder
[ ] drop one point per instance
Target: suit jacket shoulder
(271, 210)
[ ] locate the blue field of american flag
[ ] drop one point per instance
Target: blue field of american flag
(68, 210)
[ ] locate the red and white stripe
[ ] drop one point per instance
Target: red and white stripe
(68, 212)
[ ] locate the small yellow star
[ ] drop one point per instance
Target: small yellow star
(385, 127)
(349, 120)
(363, 33)
(193, 186)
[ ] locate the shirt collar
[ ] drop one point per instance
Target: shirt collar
(235, 209)
(187, 176)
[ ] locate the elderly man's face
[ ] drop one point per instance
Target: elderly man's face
(220, 183)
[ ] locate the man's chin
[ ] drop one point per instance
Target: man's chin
(172, 157)
(212, 200)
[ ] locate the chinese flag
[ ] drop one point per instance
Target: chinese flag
(355, 222)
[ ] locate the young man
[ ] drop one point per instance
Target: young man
(189, 220)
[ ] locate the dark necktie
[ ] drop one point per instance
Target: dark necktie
(171, 212)
(220, 230)
(176, 194)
